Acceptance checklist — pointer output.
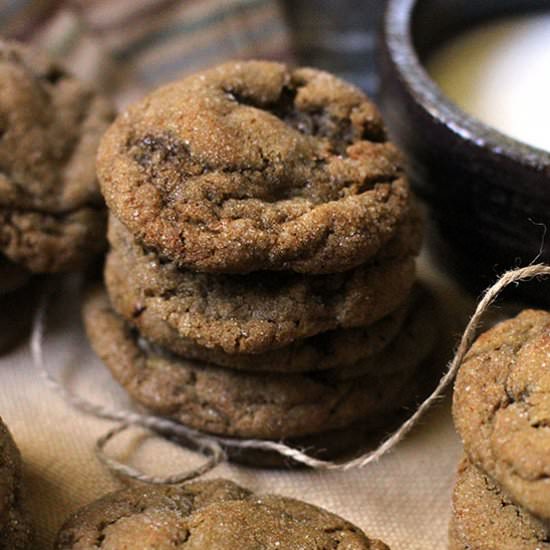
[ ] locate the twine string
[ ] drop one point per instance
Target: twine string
(211, 449)
(212, 446)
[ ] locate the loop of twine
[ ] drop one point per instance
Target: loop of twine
(213, 446)
(215, 452)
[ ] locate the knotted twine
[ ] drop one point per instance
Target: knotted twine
(212, 446)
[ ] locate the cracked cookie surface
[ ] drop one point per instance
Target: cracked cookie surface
(486, 518)
(188, 517)
(14, 527)
(240, 403)
(51, 211)
(501, 407)
(254, 166)
(258, 312)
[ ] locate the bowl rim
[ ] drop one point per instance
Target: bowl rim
(398, 39)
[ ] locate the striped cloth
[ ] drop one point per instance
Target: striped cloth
(126, 47)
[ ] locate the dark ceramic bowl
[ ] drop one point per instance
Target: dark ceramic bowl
(489, 194)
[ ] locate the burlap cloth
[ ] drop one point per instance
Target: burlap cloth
(403, 499)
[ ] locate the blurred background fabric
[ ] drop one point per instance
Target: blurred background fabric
(126, 47)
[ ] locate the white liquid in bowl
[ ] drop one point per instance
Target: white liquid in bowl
(500, 73)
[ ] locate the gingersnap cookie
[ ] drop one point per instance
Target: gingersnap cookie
(253, 313)
(255, 166)
(190, 516)
(486, 518)
(238, 403)
(501, 407)
(14, 527)
(366, 434)
(52, 215)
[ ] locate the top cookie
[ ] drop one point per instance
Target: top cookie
(501, 407)
(207, 515)
(251, 166)
(51, 210)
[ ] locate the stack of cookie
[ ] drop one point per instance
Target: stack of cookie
(261, 272)
(501, 409)
(52, 216)
(14, 525)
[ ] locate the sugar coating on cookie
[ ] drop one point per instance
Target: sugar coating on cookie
(51, 210)
(486, 518)
(501, 407)
(253, 165)
(206, 515)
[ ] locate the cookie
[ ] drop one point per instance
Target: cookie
(12, 276)
(486, 518)
(254, 313)
(52, 216)
(255, 166)
(238, 403)
(501, 407)
(14, 527)
(190, 516)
